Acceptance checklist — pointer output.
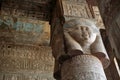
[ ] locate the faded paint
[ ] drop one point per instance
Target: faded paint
(21, 26)
(26, 31)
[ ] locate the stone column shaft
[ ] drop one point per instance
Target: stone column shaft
(73, 65)
(83, 67)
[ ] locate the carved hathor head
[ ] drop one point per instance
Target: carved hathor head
(80, 33)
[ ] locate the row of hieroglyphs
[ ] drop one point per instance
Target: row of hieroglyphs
(10, 76)
(29, 52)
(76, 10)
(25, 58)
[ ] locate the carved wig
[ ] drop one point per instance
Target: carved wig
(74, 45)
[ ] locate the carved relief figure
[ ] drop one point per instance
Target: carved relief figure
(82, 37)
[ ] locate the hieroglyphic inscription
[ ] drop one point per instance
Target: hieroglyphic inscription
(76, 10)
(83, 67)
(17, 58)
(18, 76)
(37, 9)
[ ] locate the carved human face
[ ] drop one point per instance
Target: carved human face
(83, 34)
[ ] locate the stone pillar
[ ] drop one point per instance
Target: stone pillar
(83, 67)
(87, 54)
(78, 47)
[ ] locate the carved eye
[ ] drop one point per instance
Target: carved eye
(9, 46)
(82, 27)
(87, 28)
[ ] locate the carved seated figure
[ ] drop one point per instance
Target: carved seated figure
(83, 37)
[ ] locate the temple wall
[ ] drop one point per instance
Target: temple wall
(25, 53)
(25, 63)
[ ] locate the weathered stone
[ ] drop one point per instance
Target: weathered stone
(83, 37)
(39, 9)
(25, 58)
(82, 67)
(24, 31)
(77, 9)
(24, 76)
(20, 62)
